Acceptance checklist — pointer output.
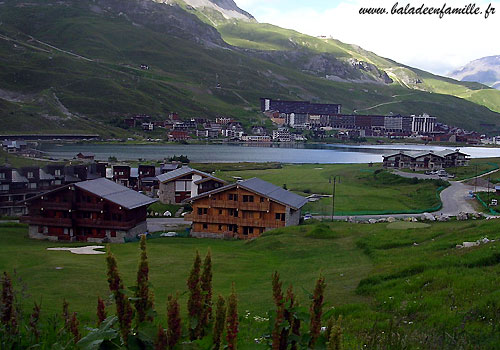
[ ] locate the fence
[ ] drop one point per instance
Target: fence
(390, 212)
(484, 204)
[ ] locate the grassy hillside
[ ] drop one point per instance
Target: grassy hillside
(397, 286)
(269, 37)
(84, 59)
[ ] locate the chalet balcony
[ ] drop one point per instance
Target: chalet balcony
(90, 206)
(38, 220)
(210, 219)
(99, 223)
(55, 205)
(255, 206)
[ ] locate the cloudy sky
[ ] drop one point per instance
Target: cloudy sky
(426, 42)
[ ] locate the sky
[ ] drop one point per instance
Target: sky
(437, 45)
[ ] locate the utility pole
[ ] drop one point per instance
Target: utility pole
(475, 181)
(333, 193)
(488, 192)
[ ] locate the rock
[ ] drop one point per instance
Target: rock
(413, 220)
(429, 217)
(462, 216)
(415, 243)
(391, 219)
(443, 218)
(372, 221)
(382, 220)
(459, 246)
(351, 219)
(470, 244)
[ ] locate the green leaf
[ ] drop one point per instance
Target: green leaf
(97, 336)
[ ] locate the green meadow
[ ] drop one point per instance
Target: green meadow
(397, 286)
(359, 189)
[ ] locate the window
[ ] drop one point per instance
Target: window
(180, 186)
(120, 173)
(30, 174)
(220, 227)
(57, 182)
(202, 211)
(4, 187)
(262, 199)
(233, 197)
(205, 226)
(220, 211)
(233, 212)
(57, 172)
(247, 199)
(32, 185)
(2, 176)
(280, 216)
(247, 230)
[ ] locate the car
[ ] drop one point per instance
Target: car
(169, 234)
(307, 217)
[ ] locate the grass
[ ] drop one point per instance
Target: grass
(360, 189)
(161, 208)
(182, 73)
(433, 292)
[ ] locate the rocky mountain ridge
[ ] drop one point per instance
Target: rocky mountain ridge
(484, 70)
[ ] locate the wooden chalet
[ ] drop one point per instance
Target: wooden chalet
(244, 210)
(426, 160)
(185, 182)
(89, 211)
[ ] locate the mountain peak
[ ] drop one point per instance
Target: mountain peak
(484, 70)
(227, 8)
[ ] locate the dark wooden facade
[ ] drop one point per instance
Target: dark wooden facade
(70, 213)
(237, 212)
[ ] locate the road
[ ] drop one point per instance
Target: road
(165, 224)
(455, 198)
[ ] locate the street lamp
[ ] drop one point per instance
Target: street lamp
(333, 191)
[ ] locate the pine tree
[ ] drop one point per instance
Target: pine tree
(195, 299)
(206, 293)
(232, 321)
(280, 305)
(220, 317)
(316, 311)
(101, 311)
(123, 308)
(144, 297)
(174, 329)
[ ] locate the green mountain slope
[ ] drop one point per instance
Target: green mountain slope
(252, 35)
(74, 65)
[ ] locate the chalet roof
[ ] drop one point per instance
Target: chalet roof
(183, 171)
(265, 189)
(17, 177)
(86, 154)
(169, 167)
(115, 193)
(441, 154)
(45, 176)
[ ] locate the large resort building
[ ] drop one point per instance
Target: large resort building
(428, 160)
(97, 210)
(244, 210)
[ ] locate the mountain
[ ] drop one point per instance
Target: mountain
(74, 66)
(485, 70)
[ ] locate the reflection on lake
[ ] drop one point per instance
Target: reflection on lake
(215, 153)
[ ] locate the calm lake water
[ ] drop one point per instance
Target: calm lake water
(310, 153)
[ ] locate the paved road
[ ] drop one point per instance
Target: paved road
(165, 224)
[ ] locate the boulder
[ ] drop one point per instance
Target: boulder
(462, 216)
(470, 244)
(372, 221)
(428, 217)
(391, 219)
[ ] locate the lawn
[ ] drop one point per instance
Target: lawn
(359, 188)
(406, 285)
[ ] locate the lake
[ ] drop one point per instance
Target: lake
(215, 153)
